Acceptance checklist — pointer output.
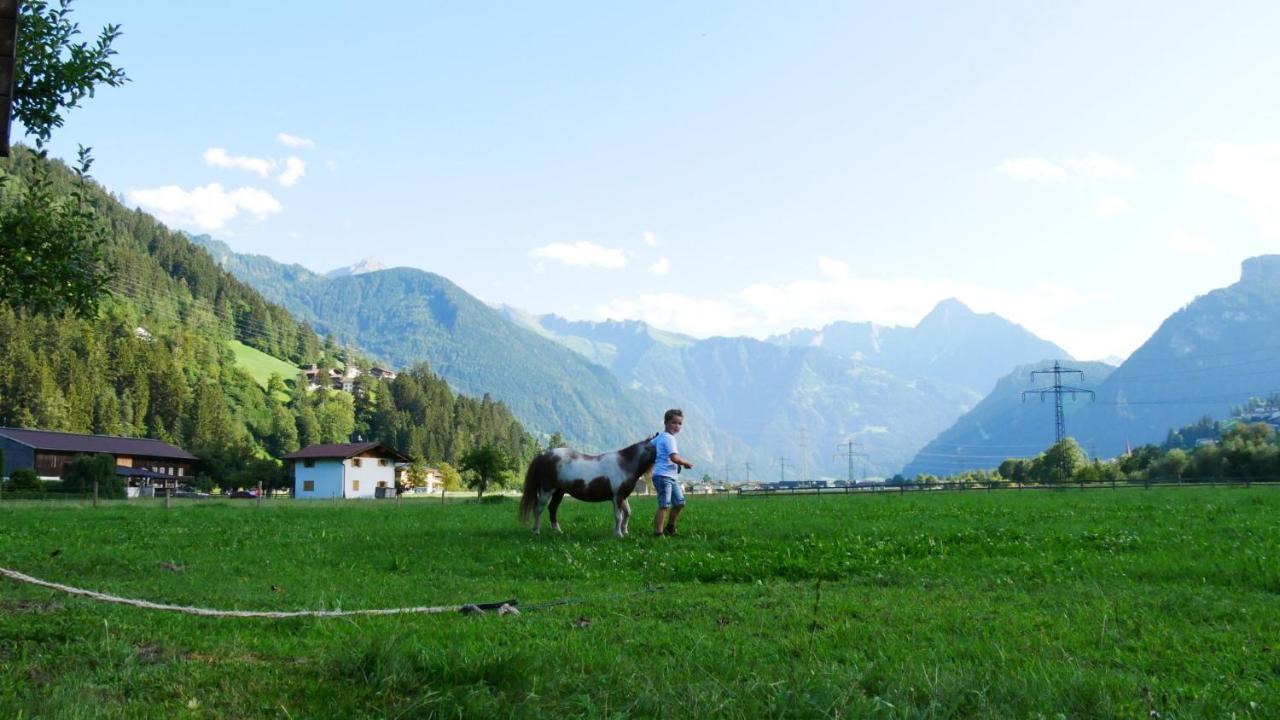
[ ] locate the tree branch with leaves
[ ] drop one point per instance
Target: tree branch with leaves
(51, 248)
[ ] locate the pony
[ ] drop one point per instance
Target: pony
(593, 478)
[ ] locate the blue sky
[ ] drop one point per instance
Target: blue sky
(718, 168)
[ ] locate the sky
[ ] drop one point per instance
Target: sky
(1084, 169)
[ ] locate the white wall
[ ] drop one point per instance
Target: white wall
(369, 474)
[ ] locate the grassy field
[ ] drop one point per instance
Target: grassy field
(1132, 603)
(261, 365)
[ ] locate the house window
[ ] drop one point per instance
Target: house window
(308, 486)
(384, 462)
(355, 462)
(355, 485)
(308, 463)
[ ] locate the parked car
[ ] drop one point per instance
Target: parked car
(250, 494)
(190, 494)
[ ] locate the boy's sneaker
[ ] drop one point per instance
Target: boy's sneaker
(670, 530)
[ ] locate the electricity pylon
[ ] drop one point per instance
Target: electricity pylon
(1058, 390)
(851, 454)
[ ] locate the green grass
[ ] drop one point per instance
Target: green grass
(261, 365)
(1001, 605)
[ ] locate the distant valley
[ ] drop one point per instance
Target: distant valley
(780, 408)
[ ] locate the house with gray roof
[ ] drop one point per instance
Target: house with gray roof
(345, 470)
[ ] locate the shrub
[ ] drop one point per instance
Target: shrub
(25, 479)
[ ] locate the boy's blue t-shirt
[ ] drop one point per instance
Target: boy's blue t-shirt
(666, 446)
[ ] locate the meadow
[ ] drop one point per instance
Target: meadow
(1129, 603)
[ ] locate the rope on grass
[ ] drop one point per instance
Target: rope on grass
(505, 607)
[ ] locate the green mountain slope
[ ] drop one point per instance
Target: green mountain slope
(403, 316)
(160, 360)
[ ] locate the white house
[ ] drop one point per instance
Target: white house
(345, 470)
(432, 480)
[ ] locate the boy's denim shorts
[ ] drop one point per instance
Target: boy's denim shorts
(669, 492)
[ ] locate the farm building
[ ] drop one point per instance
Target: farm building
(345, 470)
(145, 463)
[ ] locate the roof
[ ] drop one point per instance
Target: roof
(342, 451)
(78, 443)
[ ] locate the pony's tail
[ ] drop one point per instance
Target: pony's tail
(529, 500)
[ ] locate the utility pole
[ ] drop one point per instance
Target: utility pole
(782, 469)
(852, 453)
(1058, 390)
(804, 454)
(748, 466)
(726, 473)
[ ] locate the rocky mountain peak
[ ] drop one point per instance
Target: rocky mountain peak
(367, 265)
(1261, 270)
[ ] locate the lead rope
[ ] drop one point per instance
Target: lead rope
(506, 607)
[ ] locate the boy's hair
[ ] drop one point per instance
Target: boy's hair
(670, 414)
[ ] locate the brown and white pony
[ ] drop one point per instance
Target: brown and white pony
(593, 478)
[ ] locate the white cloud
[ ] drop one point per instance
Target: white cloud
(581, 254)
(661, 267)
(1093, 166)
(673, 311)
(763, 309)
(206, 208)
(650, 239)
(1031, 168)
(1097, 166)
(1249, 172)
(1111, 205)
(294, 141)
(1189, 243)
(294, 169)
(834, 269)
(218, 157)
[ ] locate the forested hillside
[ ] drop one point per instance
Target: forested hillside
(156, 362)
(404, 315)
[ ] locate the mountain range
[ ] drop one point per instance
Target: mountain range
(1215, 354)
(787, 407)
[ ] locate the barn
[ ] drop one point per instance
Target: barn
(142, 461)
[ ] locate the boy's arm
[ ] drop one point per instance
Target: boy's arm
(675, 458)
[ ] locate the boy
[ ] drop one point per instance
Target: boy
(665, 470)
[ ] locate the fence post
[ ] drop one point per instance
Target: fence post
(167, 494)
(95, 492)
(259, 493)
